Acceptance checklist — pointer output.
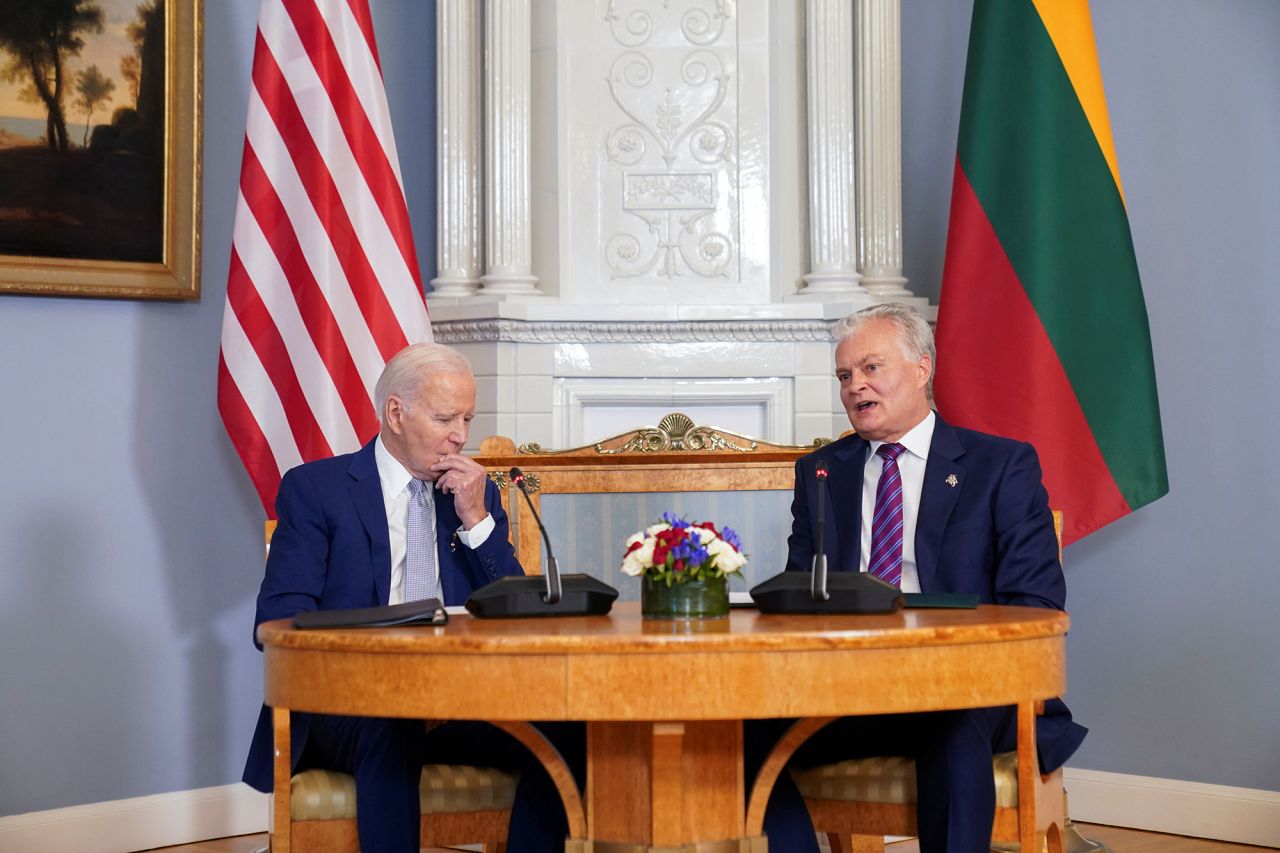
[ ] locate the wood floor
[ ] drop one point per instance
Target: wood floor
(1119, 840)
(1132, 841)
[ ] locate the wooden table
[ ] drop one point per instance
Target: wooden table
(664, 701)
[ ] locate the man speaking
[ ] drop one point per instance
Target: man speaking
(930, 508)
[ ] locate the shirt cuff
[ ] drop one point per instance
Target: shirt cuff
(476, 536)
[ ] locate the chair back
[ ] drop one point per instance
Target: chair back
(704, 473)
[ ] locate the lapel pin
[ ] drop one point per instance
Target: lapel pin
(952, 480)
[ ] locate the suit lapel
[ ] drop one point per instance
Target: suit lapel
(943, 483)
(366, 495)
(447, 524)
(845, 506)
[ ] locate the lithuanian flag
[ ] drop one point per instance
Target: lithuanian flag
(1042, 328)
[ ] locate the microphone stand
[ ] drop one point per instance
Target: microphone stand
(817, 591)
(552, 595)
(818, 587)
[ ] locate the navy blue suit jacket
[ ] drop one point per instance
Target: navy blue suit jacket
(331, 550)
(991, 533)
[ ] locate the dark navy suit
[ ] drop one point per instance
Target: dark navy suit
(331, 550)
(984, 526)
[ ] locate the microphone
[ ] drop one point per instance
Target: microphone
(818, 587)
(550, 595)
(817, 591)
(552, 573)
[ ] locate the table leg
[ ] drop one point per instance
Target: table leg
(1030, 834)
(665, 784)
(280, 841)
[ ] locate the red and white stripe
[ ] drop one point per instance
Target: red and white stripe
(324, 285)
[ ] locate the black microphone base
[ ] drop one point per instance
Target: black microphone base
(848, 592)
(521, 596)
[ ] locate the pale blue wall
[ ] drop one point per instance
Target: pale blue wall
(130, 538)
(1174, 655)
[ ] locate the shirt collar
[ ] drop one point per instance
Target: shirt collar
(917, 439)
(393, 476)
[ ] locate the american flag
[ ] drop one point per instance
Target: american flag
(324, 284)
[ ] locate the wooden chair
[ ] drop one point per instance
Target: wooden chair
(674, 456)
(459, 804)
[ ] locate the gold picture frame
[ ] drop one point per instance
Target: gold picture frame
(177, 275)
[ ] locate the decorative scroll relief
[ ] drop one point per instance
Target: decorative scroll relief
(674, 433)
(669, 175)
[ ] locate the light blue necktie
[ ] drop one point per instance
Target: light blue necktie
(420, 553)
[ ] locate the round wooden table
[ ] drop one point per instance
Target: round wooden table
(664, 701)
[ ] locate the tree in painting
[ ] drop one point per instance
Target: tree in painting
(92, 89)
(40, 36)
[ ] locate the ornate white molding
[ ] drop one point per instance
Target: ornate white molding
(879, 176)
(508, 215)
(668, 160)
(832, 214)
(650, 331)
(458, 131)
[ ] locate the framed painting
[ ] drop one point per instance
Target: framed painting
(100, 131)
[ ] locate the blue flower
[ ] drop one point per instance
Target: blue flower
(674, 520)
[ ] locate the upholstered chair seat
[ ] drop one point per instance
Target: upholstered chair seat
(892, 779)
(458, 804)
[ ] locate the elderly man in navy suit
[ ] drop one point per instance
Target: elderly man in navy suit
(931, 508)
(405, 517)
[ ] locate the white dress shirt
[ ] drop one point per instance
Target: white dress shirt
(911, 464)
(395, 478)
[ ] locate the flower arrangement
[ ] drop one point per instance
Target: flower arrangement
(676, 551)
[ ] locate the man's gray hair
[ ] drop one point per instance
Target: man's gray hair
(913, 332)
(403, 375)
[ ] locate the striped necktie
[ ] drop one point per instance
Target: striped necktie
(886, 521)
(420, 552)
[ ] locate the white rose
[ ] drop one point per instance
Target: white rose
(724, 557)
(706, 535)
(631, 566)
(654, 529)
(635, 563)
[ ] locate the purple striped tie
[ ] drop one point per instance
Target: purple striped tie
(886, 521)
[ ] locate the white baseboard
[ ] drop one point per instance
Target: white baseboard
(139, 823)
(1240, 815)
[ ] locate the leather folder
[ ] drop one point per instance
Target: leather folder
(428, 611)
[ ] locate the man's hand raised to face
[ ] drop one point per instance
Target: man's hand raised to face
(464, 478)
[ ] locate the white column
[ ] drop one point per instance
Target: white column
(879, 207)
(458, 149)
(508, 246)
(833, 266)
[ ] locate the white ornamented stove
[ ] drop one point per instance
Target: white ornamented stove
(680, 197)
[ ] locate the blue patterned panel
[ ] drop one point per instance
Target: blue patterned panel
(588, 531)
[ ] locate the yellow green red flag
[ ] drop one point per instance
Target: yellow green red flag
(1042, 326)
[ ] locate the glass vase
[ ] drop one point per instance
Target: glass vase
(699, 599)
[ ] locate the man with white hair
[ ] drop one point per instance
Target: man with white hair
(930, 508)
(404, 518)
